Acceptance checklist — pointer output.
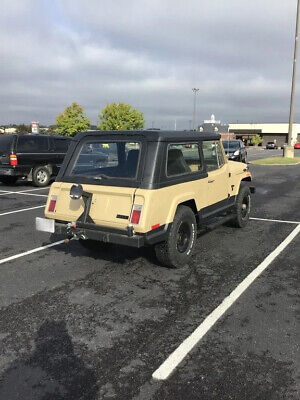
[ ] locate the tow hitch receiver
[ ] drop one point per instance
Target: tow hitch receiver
(74, 233)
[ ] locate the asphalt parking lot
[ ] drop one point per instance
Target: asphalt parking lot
(256, 153)
(81, 325)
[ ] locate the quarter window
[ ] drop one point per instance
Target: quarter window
(183, 159)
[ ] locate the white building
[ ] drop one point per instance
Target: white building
(269, 132)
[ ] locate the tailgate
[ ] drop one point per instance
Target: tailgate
(111, 205)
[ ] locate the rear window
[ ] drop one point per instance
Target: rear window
(230, 144)
(32, 144)
(102, 160)
(6, 143)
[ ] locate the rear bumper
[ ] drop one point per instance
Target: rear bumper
(111, 235)
(7, 171)
(12, 171)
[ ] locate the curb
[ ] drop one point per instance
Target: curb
(270, 165)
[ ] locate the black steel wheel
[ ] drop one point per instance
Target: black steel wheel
(178, 248)
(242, 207)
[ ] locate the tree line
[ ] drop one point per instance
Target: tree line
(114, 116)
(72, 120)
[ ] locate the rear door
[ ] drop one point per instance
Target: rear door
(33, 150)
(111, 206)
(6, 148)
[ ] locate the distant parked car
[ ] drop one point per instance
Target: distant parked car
(297, 145)
(35, 157)
(235, 150)
(271, 146)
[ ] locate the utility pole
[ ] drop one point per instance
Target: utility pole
(175, 125)
(195, 90)
(289, 149)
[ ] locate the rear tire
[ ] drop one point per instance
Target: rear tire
(179, 246)
(242, 207)
(41, 176)
(8, 180)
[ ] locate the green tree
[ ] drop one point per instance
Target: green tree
(120, 117)
(72, 120)
(22, 128)
(255, 140)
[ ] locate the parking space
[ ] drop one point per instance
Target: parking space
(21, 196)
(81, 325)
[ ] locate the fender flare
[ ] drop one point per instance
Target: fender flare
(176, 201)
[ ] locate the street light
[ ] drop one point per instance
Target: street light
(288, 151)
(195, 90)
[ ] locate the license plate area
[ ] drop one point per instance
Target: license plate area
(45, 225)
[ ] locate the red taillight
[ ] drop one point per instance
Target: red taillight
(52, 204)
(136, 214)
(13, 160)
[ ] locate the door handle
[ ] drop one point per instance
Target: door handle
(211, 181)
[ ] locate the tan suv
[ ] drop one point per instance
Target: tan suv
(146, 188)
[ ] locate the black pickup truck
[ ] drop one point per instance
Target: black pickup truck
(35, 157)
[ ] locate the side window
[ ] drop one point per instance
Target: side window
(220, 154)
(183, 158)
(61, 145)
(32, 144)
(210, 155)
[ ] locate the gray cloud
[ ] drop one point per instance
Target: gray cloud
(149, 53)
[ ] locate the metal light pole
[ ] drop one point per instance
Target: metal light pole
(289, 149)
(195, 90)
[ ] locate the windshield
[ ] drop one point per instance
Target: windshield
(231, 144)
(5, 143)
(102, 160)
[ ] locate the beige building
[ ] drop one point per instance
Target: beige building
(268, 131)
(7, 130)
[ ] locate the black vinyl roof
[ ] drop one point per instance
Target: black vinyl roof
(154, 136)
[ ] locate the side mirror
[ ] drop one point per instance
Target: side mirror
(76, 192)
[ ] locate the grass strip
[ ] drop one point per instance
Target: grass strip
(277, 161)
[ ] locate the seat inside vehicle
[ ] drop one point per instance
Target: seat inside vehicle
(176, 163)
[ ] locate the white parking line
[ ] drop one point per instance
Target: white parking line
(275, 220)
(23, 209)
(26, 253)
(27, 190)
(169, 365)
(24, 194)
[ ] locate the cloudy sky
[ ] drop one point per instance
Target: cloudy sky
(149, 53)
